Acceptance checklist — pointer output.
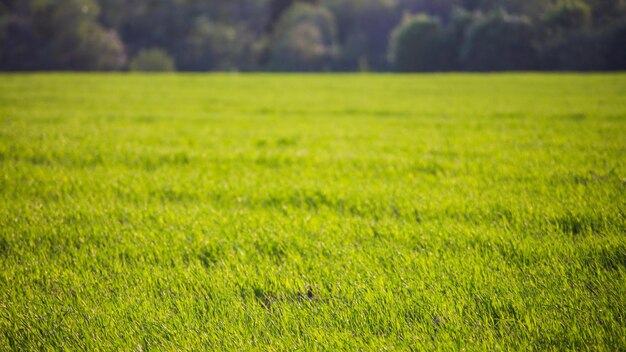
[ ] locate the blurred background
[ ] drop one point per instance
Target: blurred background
(314, 35)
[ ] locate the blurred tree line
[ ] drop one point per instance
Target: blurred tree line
(313, 35)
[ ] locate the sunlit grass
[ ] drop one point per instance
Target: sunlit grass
(308, 212)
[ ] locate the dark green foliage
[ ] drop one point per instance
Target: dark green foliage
(61, 35)
(616, 46)
(573, 15)
(578, 52)
(456, 31)
(304, 39)
(438, 8)
(364, 28)
(606, 11)
(210, 46)
(420, 44)
(500, 42)
(246, 35)
(92, 49)
(77, 41)
(278, 8)
(18, 45)
(590, 50)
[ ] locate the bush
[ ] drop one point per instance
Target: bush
(419, 44)
(152, 60)
(500, 42)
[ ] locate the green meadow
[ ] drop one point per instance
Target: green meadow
(313, 212)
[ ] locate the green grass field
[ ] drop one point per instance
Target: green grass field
(313, 212)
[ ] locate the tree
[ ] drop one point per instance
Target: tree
(607, 11)
(304, 39)
(572, 15)
(616, 53)
(456, 32)
(94, 49)
(76, 40)
(589, 50)
(278, 7)
(441, 9)
(19, 43)
(364, 27)
(155, 23)
(419, 44)
(210, 46)
(60, 34)
(500, 42)
(313, 35)
(528, 8)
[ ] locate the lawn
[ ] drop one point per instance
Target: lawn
(313, 212)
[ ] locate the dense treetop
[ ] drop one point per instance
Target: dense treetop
(312, 35)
